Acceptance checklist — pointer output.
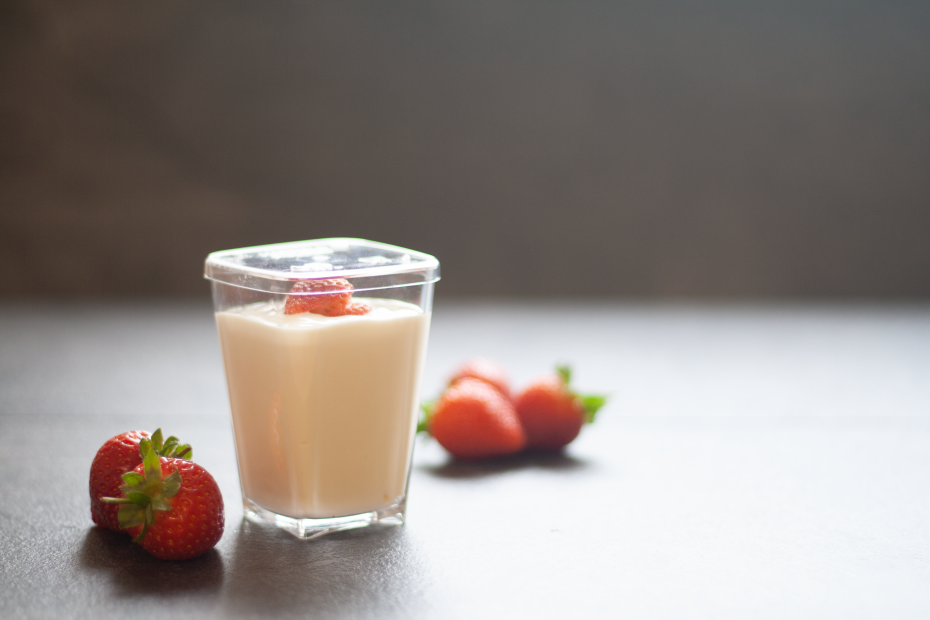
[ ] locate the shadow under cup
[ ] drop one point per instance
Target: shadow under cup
(323, 377)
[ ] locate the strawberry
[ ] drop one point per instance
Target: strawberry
(172, 507)
(114, 458)
(329, 297)
(358, 308)
(551, 413)
(473, 420)
(486, 370)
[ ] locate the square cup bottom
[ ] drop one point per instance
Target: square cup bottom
(307, 529)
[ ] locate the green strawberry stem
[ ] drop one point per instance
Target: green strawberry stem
(591, 403)
(147, 492)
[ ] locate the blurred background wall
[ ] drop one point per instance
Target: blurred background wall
(754, 149)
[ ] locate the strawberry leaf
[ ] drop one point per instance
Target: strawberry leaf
(134, 488)
(152, 466)
(160, 503)
(564, 371)
(139, 499)
(426, 407)
(131, 478)
(592, 404)
(131, 515)
(172, 485)
(141, 536)
(158, 441)
(178, 451)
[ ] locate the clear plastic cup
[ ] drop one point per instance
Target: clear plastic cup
(324, 408)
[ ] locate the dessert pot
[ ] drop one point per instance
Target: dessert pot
(323, 345)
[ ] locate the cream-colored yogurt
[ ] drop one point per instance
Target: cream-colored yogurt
(324, 408)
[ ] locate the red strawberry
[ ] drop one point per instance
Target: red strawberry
(473, 420)
(117, 456)
(551, 413)
(358, 308)
(486, 370)
(172, 507)
(314, 296)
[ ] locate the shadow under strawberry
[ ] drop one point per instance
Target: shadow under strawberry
(479, 468)
(133, 572)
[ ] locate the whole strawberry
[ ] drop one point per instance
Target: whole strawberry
(474, 420)
(172, 507)
(326, 296)
(114, 458)
(486, 370)
(551, 413)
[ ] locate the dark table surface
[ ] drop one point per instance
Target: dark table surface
(755, 461)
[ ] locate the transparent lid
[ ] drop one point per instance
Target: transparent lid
(366, 264)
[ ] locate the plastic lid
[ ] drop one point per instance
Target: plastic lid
(366, 264)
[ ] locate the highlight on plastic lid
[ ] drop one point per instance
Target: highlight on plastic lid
(368, 265)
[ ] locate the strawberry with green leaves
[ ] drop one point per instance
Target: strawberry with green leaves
(172, 507)
(117, 456)
(551, 413)
(473, 420)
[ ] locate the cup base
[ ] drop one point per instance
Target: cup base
(307, 529)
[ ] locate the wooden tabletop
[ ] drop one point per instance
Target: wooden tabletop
(754, 461)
